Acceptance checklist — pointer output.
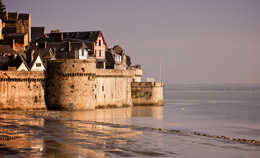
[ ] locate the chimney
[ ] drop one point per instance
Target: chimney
(13, 44)
(58, 37)
(67, 46)
(31, 57)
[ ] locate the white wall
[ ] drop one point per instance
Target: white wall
(38, 68)
(22, 68)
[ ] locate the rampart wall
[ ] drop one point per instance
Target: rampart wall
(147, 93)
(22, 90)
(80, 83)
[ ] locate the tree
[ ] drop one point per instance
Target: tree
(2, 10)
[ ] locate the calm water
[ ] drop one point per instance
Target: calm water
(232, 114)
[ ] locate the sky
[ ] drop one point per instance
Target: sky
(198, 41)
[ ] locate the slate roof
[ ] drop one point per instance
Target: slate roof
(35, 55)
(16, 34)
(23, 16)
(45, 53)
(37, 32)
(90, 36)
(6, 49)
(3, 60)
(8, 30)
(60, 46)
(77, 45)
(17, 16)
(118, 50)
(18, 61)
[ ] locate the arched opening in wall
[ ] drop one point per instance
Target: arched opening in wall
(72, 65)
(103, 88)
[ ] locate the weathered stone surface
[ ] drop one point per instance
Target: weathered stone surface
(146, 93)
(22, 90)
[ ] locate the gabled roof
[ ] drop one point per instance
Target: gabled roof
(18, 61)
(35, 56)
(6, 49)
(44, 38)
(90, 36)
(37, 32)
(45, 53)
(118, 50)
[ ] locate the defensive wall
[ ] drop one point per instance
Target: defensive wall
(147, 93)
(80, 83)
(22, 90)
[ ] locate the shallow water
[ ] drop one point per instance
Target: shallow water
(230, 114)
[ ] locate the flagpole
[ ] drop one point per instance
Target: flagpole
(160, 72)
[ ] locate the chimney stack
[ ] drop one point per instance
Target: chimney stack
(58, 37)
(67, 46)
(31, 57)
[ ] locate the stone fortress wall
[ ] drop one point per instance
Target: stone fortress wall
(22, 90)
(80, 83)
(147, 93)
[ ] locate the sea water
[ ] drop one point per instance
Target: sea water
(232, 114)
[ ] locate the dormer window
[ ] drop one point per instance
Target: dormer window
(99, 42)
(38, 64)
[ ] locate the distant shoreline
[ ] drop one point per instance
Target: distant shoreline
(212, 87)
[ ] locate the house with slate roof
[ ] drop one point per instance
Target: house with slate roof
(94, 40)
(18, 64)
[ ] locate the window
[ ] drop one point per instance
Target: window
(82, 52)
(99, 42)
(100, 53)
(38, 64)
(103, 88)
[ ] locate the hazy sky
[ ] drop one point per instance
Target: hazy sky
(199, 41)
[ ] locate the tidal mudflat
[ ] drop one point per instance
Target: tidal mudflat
(61, 134)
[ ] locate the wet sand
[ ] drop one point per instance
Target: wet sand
(60, 134)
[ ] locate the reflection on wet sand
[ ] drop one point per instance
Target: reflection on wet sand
(71, 134)
(61, 138)
(155, 112)
(119, 115)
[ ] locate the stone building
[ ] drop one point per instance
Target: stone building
(94, 40)
(18, 23)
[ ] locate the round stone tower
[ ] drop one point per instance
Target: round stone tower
(71, 81)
